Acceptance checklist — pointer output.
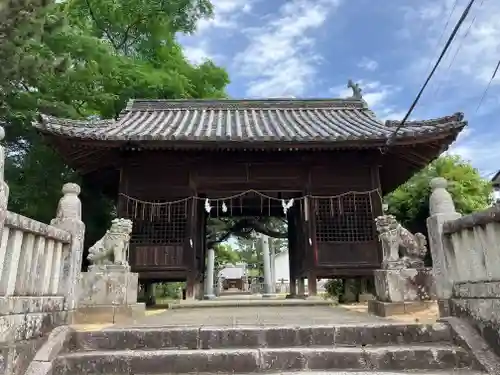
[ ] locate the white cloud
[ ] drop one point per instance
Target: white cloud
(377, 95)
(279, 60)
(462, 78)
(475, 50)
(368, 64)
(197, 54)
(226, 16)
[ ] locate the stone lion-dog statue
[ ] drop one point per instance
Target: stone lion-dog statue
(112, 248)
(400, 247)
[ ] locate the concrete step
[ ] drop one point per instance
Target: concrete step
(259, 337)
(387, 358)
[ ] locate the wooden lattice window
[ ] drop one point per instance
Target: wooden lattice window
(348, 218)
(158, 224)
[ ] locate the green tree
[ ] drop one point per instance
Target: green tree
(225, 254)
(250, 252)
(470, 192)
(82, 58)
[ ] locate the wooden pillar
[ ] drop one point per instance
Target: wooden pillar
(377, 209)
(191, 285)
(301, 289)
(150, 293)
(312, 284)
(192, 253)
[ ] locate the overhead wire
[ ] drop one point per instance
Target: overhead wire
(457, 51)
(442, 32)
(436, 65)
(493, 76)
(488, 86)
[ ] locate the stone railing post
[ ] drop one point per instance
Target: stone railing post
(442, 209)
(5, 254)
(69, 218)
(4, 188)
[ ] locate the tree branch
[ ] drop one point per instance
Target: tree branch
(127, 31)
(243, 228)
(103, 29)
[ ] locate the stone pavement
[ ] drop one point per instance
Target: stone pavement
(273, 315)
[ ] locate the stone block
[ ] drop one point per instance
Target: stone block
(417, 358)
(136, 338)
(485, 289)
(28, 304)
(483, 314)
(101, 314)
(57, 342)
(365, 297)
(107, 294)
(39, 368)
(391, 334)
(405, 284)
(384, 309)
(16, 357)
(108, 285)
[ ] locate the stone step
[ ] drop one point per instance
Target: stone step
(410, 372)
(370, 372)
(259, 337)
(396, 358)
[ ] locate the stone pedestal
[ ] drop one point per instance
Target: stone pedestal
(364, 291)
(401, 291)
(108, 294)
(351, 290)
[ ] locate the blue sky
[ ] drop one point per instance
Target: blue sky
(310, 48)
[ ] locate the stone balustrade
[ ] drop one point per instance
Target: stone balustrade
(466, 262)
(31, 257)
(473, 251)
(40, 265)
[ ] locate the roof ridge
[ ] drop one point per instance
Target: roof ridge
(456, 117)
(169, 104)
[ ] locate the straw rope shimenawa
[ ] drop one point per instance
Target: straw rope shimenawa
(152, 209)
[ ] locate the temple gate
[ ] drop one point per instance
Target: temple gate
(163, 160)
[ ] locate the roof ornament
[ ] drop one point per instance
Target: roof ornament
(357, 93)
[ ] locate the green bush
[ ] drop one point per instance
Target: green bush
(334, 288)
(169, 290)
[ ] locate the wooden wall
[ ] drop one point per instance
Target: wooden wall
(168, 175)
(148, 174)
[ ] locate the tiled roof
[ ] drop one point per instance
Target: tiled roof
(286, 120)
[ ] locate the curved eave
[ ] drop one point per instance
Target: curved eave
(79, 132)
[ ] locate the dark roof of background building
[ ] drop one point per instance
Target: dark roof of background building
(269, 120)
(496, 179)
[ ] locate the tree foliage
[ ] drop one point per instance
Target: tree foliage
(87, 58)
(83, 58)
(244, 228)
(224, 254)
(470, 192)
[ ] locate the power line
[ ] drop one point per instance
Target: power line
(444, 30)
(459, 48)
(488, 86)
(443, 52)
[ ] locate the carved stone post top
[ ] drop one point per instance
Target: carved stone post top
(438, 183)
(70, 206)
(440, 201)
(2, 155)
(71, 188)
